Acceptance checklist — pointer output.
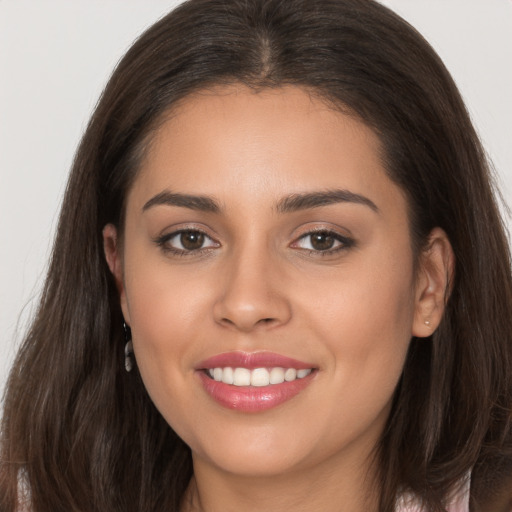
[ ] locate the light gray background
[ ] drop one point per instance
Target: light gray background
(56, 55)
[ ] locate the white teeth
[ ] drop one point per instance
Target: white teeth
(276, 376)
(260, 377)
(257, 377)
(227, 376)
(217, 374)
(290, 374)
(242, 377)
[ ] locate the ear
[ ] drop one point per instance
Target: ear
(112, 250)
(433, 283)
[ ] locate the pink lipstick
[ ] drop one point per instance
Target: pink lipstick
(253, 382)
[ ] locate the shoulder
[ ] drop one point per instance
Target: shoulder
(457, 502)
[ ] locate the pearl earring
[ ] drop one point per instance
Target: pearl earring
(128, 348)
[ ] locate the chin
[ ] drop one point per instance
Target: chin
(252, 452)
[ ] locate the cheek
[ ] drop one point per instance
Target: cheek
(164, 308)
(365, 326)
(163, 298)
(365, 317)
(374, 296)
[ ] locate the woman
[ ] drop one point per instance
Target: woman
(280, 280)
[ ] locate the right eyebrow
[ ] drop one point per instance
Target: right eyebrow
(295, 202)
(201, 203)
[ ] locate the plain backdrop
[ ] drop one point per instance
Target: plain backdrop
(56, 55)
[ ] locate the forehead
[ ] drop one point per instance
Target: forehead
(235, 140)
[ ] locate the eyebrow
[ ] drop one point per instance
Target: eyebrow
(201, 203)
(309, 200)
(288, 204)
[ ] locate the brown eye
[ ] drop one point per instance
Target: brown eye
(187, 241)
(322, 241)
(192, 240)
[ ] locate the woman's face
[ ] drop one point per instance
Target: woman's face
(263, 237)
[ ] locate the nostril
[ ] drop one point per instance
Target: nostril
(248, 325)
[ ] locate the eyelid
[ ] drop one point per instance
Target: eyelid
(181, 227)
(176, 234)
(343, 242)
(163, 240)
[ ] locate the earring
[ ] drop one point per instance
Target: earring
(128, 348)
(427, 323)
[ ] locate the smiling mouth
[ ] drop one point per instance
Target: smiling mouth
(253, 382)
(255, 390)
(257, 377)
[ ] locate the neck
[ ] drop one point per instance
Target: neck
(334, 487)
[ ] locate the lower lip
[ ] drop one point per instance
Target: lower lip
(253, 399)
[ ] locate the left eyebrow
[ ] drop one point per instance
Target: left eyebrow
(308, 200)
(201, 203)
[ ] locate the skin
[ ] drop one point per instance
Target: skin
(258, 284)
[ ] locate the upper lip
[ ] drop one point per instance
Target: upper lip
(252, 360)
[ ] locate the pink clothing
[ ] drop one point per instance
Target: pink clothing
(459, 502)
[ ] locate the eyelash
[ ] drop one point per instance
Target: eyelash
(163, 243)
(345, 243)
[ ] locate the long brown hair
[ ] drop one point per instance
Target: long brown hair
(82, 434)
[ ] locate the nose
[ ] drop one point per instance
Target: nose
(253, 295)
